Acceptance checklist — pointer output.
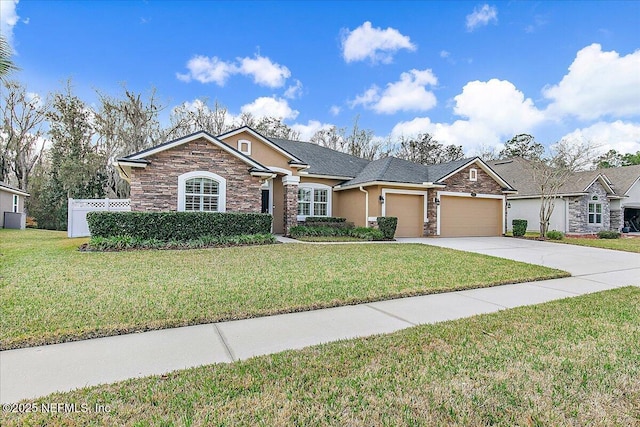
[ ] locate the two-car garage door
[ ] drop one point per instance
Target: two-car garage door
(459, 216)
(470, 216)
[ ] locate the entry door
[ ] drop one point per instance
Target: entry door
(265, 201)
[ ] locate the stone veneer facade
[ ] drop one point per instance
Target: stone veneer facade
(579, 211)
(484, 184)
(155, 188)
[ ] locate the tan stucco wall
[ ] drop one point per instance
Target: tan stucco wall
(260, 152)
(278, 206)
(350, 204)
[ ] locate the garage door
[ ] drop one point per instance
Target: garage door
(408, 208)
(470, 216)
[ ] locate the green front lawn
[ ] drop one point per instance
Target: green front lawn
(627, 244)
(572, 362)
(51, 292)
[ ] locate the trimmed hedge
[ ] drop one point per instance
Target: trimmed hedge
(119, 243)
(555, 235)
(179, 226)
(519, 227)
(324, 231)
(325, 219)
(387, 225)
(608, 234)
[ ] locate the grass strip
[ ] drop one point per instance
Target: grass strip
(568, 362)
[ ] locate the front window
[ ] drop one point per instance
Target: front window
(201, 194)
(313, 201)
(15, 202)
(595, 213)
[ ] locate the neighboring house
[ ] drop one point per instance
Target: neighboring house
(590, 201)
(12, 207)
(243, 171)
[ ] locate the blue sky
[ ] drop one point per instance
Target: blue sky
(470, 73)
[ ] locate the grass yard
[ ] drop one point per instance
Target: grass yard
(627, 244)
(568, 362)
(51, 292)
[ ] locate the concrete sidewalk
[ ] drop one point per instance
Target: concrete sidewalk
(37, 371)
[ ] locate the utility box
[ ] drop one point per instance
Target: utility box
(15, 220)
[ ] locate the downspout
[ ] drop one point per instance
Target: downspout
(366, 206)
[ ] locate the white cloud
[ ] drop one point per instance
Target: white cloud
(620, 136)
(598, 84)
(499, 104)
(444, 54)
(375, 44)
(482, 16)
(335, 110)
(262, 69)
(308, 130)
(271, 107)
(492, 112)
(8, 19)
(407, 94)
(207, 70)
(294, 91)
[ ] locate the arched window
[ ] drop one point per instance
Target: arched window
(201, 191)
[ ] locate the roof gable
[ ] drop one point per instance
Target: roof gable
(266, 141)
(142, 155)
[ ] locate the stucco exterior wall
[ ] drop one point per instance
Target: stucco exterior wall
(155, 188)
(529, 209)
(6, 204)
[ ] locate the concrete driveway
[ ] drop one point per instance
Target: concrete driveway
(614, 267)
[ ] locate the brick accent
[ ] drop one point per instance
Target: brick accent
(155, 188)
(432, 213)
(290, 206)
(579, 211)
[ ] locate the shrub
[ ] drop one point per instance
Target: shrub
(179, 226)
(608, 234)
(325, 219)
(116, 243)
(387, 225)
(555, 235)
(324, 231)
(519, 227)
(322, 221)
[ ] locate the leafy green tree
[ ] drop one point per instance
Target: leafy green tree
(6, 64)
(630, 159)
(610, 159)
(77, 168)
(522, 145)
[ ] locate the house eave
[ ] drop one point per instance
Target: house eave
(316, 175)
(387, 183)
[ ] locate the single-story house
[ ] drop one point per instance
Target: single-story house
(244, 171)
(12, 213)
(588, 202)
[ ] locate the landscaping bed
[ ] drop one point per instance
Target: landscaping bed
(51, 292)
(567, 362)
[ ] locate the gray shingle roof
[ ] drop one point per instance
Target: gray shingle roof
(322, 160)
(519, 172)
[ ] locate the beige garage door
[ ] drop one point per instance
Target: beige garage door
(409, 210)
(470, 216)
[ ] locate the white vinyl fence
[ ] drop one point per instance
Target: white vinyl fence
(77, 215)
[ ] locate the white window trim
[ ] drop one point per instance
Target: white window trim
(595, 213)
(473, 174)
(248, 150)
(16, 203)
(222, 188)
(439, 195)
(314, 186)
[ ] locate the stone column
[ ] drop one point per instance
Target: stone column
(290, 187)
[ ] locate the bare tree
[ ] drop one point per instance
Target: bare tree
(188, 118)
(551, 173)
(330, 138)
(487, 153)
(426, 150)
(125, 126)
(21, 142)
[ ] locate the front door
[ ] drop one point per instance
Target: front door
(265, 201)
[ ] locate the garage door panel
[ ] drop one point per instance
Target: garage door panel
(470, 216)
(409, 209)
